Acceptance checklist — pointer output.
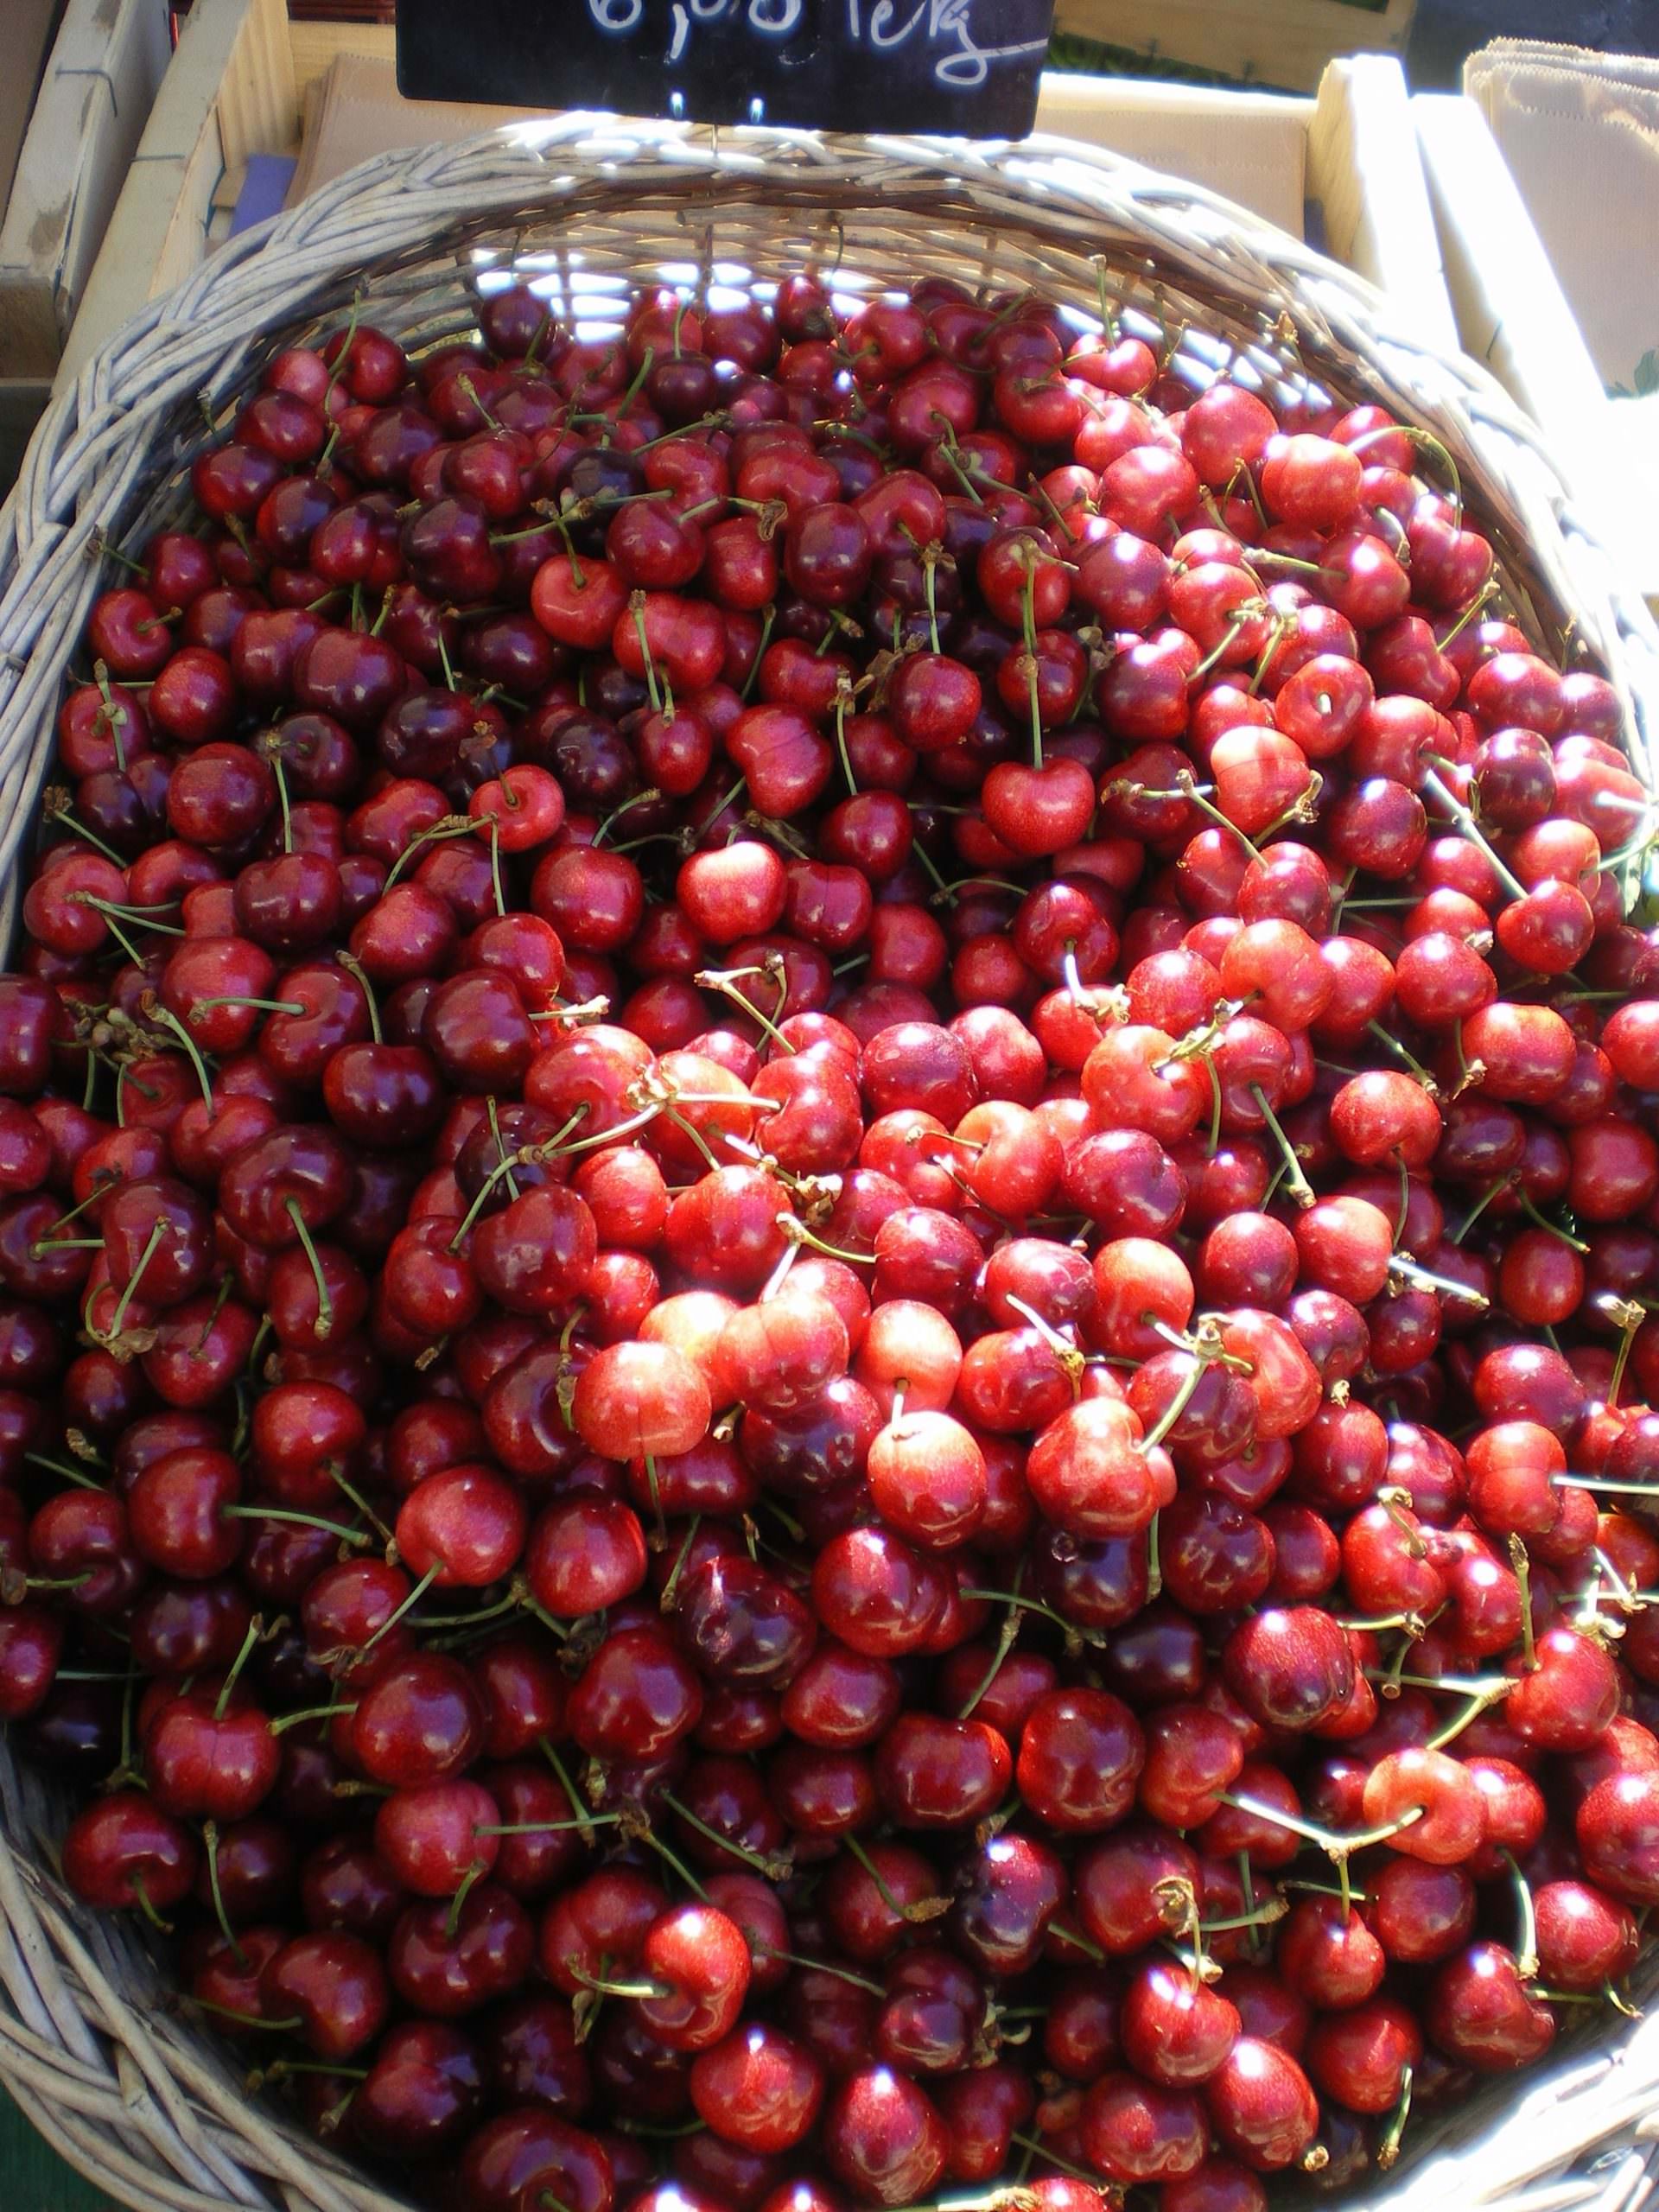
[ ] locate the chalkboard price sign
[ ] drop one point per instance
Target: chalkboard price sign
(967, 67)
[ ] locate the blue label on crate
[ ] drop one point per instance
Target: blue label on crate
(965, 67)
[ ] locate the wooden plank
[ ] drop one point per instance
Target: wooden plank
(1513, 315)
(105, 66)
(156, 234)
(1268, 41)
(1364, 169)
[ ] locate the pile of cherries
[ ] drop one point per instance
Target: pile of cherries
(829, 1226)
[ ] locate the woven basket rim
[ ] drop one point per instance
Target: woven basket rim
(140, 2102)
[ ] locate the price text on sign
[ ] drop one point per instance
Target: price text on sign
(962, 66)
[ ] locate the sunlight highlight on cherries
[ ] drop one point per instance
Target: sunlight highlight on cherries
(829, 1232)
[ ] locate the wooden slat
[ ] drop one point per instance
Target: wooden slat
(1513, 315)
(1268, 41)
(1364, 170)
(232, 77)
(108, 60)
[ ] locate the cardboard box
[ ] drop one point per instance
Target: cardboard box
(106, 63)
(1527, 313)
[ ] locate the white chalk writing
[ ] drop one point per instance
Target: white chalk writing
(946, 28)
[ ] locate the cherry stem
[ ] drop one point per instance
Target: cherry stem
(780, 1275)
(1177, 1406)
(154, 1011)
(1554, 1228)
(924, 1908)
(405, 1605)
(673, 1858)
(774, 1868)
(141, 1899)
(100, 1190)
(618, 1989)
(1607, 1482)
(323, 1325)
(1422, 1278)
(158, 1231)
(1295, 1179)
(1302, 1884)
(636, 607)
(665, 1603)
(1522, 1565)
(1392, 1043)
(1476, 1703)
(355, 1537)
(726, 981)
(1632, 1321)
(1388, 2148)
(660, 1532)
(210, 1840)
(263, 1006)
(823, 1965)
(797, 1232)
(281, 780)
(469, 1882)
(691, 1130)
(69, 1474)
(253, 2019)
(501, 1172)
(1435, 785)
(312, 1712)
(587, 1819)
(1006, 1637)
(451, 825)
(280, 2069)
(1073, 1634)
(256, 1629)
(350, 1492)
(1178, 1906)
(1526, 1949)
(1493, 1191)
(1337, 1847)
(1062, 1347)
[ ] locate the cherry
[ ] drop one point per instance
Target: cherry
(418, 1720)
(424, 2091)
(448, 1959)
(1081, 1753)
(1289, 1668)
(635, 1700)
(334, 1985)
(883, 2138)
(1480, 2012)
(123, 1851)
(700, 1962)
(519, 2154)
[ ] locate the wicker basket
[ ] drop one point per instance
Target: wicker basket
(98, 2050)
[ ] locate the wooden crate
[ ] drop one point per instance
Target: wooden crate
(1285, 42)
(1512, 314)
(238, 83)
(105, 66)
